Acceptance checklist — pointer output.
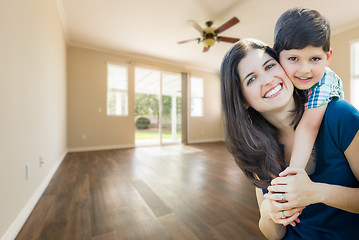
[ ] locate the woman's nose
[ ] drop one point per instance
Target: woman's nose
(267, 79)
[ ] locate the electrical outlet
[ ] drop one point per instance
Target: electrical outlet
(84, 137)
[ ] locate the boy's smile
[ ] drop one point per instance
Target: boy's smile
(305, 67)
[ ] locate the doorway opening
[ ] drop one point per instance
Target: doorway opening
(157, 107)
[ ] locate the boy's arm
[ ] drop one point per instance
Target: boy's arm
(305, 135)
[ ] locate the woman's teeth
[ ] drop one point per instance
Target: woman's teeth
(273, 91)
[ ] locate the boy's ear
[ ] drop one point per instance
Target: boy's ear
(329, 57)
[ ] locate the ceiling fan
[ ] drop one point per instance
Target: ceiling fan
(209, 35)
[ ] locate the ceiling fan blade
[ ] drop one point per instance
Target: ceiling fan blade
(205, 49)
(196, 26)
(227, 39)
(227, 25)
(189, 40)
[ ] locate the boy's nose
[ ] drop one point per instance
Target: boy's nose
(304, 68)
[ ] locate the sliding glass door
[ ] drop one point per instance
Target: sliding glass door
(158, 107)
(171, 108)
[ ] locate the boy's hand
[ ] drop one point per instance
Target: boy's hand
(288, 171)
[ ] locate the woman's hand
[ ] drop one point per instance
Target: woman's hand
(274, 212)
(295, 187)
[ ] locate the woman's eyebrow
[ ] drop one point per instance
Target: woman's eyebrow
(249, 74)
(267, 62)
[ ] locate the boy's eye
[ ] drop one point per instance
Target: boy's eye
(315, 59)
(293, 59)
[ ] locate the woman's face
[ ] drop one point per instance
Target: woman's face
(265, 85)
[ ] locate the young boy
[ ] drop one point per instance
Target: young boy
(302, 41)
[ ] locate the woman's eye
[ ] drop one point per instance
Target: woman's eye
(269, 66)
(315, 59)
(250, 80)
(293, 59)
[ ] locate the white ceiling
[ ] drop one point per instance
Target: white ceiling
(151, 28)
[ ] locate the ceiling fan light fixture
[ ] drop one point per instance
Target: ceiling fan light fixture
(209, 42)
(209, 35)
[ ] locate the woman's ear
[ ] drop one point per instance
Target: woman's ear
(246, 105)
(329, 57)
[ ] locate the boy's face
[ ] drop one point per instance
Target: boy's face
(305, 67)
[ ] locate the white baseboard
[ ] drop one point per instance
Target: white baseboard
(20, 220)
(99, 148)
(206, 140)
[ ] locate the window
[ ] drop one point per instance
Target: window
(354, 86)
(117, 90)
(196, 97)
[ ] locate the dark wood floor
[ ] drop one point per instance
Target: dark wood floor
(169, 192)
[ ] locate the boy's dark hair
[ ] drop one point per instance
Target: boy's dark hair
(297, 28)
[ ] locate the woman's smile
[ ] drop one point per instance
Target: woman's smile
(273, 92)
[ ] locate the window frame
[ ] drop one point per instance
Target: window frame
(354, 73)
(122, 93)
(197, 98)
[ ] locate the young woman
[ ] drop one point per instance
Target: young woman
(261, 109)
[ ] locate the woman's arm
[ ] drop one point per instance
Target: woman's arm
(269, 228)
(343, 197)
(352, 155)
(301, 191)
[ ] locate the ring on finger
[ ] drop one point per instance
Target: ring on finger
(283, 196)
(283, 216)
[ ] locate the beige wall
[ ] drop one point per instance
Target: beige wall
(87, 103)
(33, 105)
(87, 86)
(340, 62)
(209, 127)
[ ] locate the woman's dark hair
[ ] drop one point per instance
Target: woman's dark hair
(297, 28)
(249, 137)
